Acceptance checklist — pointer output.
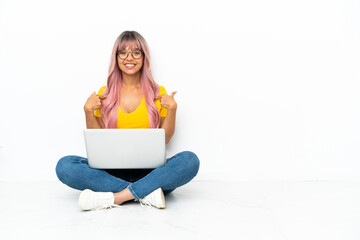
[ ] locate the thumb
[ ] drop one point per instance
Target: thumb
(102, 96)
(173, 93)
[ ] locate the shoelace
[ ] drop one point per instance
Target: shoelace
(106, 206)
(144, 203)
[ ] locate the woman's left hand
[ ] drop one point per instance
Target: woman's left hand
(167, 101)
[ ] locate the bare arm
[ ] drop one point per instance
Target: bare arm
(168, 123)
(92, 121)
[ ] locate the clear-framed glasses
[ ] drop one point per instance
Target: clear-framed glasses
(123, 54)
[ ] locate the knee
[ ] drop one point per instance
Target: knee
(192, 162)
(63, 166)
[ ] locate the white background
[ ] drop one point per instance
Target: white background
(267, 90)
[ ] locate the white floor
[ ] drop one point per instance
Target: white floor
(199, 210)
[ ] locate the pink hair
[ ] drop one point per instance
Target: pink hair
(109, 109)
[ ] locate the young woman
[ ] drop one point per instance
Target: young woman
(131, 99)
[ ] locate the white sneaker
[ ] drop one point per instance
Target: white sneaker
(90, 200)
(156, 199)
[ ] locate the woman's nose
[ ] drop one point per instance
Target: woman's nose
(130, 56)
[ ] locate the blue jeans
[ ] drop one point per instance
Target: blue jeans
(75, 172)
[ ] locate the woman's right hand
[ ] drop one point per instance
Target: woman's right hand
(93, 102)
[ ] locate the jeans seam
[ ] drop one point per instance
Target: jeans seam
(133, 193)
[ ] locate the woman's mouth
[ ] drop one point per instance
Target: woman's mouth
(130, 65)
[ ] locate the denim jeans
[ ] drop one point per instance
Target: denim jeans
(75, 172)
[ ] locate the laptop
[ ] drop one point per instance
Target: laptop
(125, 148)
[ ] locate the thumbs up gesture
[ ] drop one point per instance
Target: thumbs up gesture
(167, 101)
(93, 102)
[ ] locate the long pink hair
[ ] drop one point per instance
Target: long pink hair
(109, 108)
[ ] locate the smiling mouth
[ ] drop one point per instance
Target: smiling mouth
(130, 66)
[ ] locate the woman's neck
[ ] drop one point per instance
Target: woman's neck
(131, 81)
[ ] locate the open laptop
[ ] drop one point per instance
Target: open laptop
(125, 148)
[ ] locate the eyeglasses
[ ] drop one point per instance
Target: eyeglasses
(123, 54)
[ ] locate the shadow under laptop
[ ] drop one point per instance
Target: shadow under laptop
(129, 175)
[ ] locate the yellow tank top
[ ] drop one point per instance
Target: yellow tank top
(138, 118)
